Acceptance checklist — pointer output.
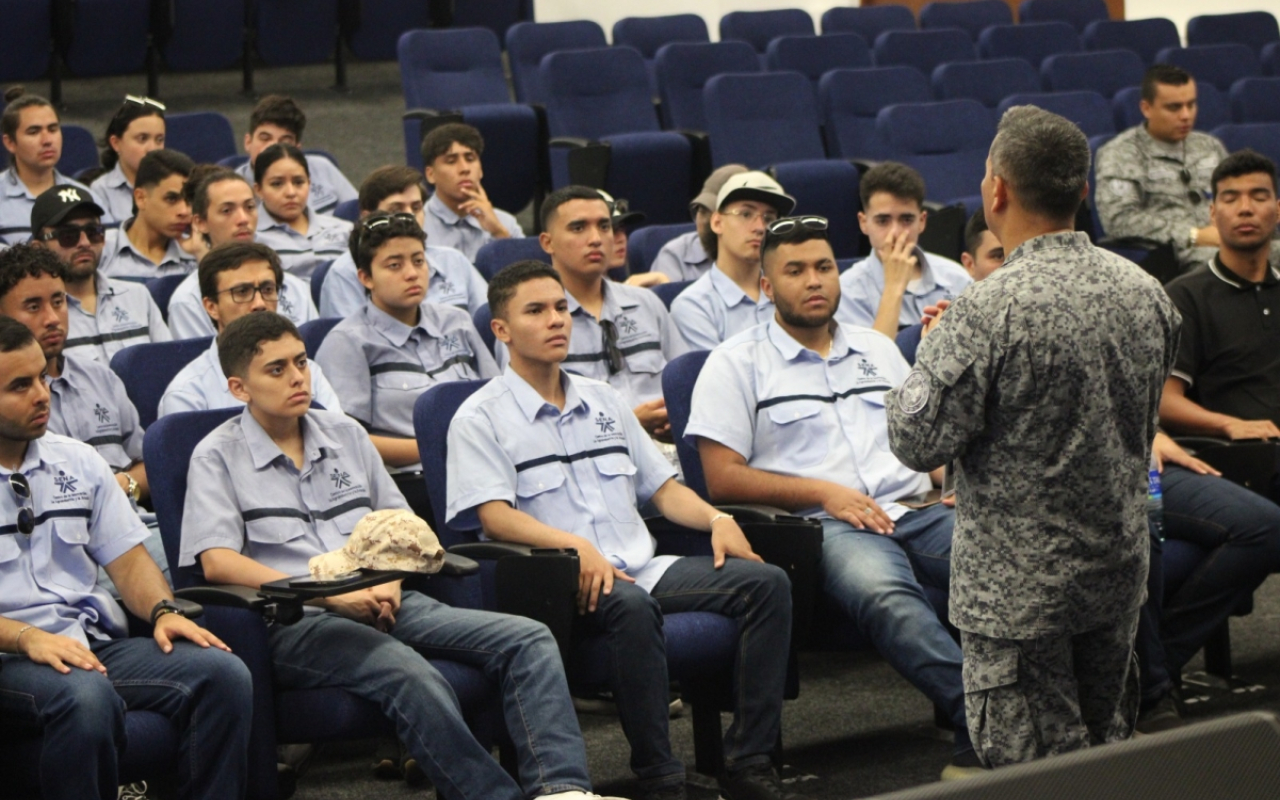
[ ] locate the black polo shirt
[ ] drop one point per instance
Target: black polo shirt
(1229, 353)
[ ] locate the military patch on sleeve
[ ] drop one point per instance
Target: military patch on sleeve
(914, 394)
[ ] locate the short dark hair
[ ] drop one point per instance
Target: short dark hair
(28, 260)
(503, 286)
(274, 153)
(1044, 158)
(17, 101)
(233, 255)
(240, 341)
(160, 164)
(439, 139)
(896, 179)
(563, 195)
(276, 109)
(371, 233)
(1167, 74)
(797, 235)
(1243, 162)
(201, 179)
(973, 230)
(14, 335)
(124, 117)
(386, 181)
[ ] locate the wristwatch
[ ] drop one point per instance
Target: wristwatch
(165, 607)
(135, 489)
(1195, 236)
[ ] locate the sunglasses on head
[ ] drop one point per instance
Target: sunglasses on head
(787, 228)
(139, 100)
(69, 235)
(26, 515)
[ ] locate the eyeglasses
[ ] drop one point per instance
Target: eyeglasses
(137, 100)
(1185, 176)
(613, 353)
(749, 216)
(26, 515)
(244, 292)
(69, 235)
(788, 227)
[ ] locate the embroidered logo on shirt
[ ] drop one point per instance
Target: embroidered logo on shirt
(69, 196)
(606, 423)
(120, 314)
(103, 414)
(868, 369)
(627, 325)
(285, 306)
(447, 287)
(66, 483)
(341, 480)
(451, 342)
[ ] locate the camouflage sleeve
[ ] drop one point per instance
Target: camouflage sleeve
(1121, 207)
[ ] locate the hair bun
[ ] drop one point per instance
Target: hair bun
(13, 93)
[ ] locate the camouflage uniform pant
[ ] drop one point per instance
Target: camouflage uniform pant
(1030, 698)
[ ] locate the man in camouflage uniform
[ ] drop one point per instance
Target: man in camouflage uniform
(1153, 179)
(1043, 381)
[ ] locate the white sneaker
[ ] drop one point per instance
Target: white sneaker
(577, 794)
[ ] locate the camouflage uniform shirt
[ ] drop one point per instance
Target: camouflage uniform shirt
(1043, 382)
(1140, 191)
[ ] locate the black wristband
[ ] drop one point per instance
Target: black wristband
(165, 607)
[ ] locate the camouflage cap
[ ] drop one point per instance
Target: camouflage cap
(391, 539)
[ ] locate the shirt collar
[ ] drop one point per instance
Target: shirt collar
(173, 252)
(1171, 150)
(38, 452)
(729, 291)
(609, 308)
(264, 451)
(791, 350)
(442, 212)
(267, 222)
(1075, 240)
(115, 178)
(531, 403)
(1222, 273)
(70, 373)
(396, 331)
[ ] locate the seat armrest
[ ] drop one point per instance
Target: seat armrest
(490, 551)
(570, 141)
(459, 565)
(755, 512)
(1196, 444)
(228, 596)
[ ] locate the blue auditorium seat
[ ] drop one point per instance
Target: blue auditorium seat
(850, 99)
(206, 136)
(103, 37)
(814, 56)
(495, 255)
(1077, 13)
(1219, 64)
(1256, 100)
(200, 35)
(1146, 37)
(314, 332)
(147, 369)
(988, 82)
(670, 291)
(1103, 71)
(868, 21)
(758, 28)
(25, 39)
(764, 119)
(1089, 110)
(946, 141)
(372, 28)
(496, 15)
(529, 42)
(79, 150)
(924, 50)
(973, 16)
(644, 245)
(481, 320)
(1033, 41)
(162, 289)
(1271, 59)
(289, 32)
(1254, 29)
(648, 34)
(682, 70)
(827, 188)
(1261, 136)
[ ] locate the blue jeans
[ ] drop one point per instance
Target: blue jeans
(391, 670)
(758, 597)
(207, 693)
(876, 580)
(1153, 669)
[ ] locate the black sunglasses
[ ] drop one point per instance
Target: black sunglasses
(26, 515)
(69, 235)
(1185, 176)
(613, 354)
(781, 230)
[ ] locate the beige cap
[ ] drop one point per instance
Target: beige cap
(711, 187)
(391, 539)
(755, 185)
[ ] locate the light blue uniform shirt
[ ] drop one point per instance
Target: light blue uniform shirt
(326, 239)
(121, 260)
(16, 202)
(126, 315)
(252, 498)
(862, 285)
(714, 308)
(49, 580)
(446, 229)
(189, 320)
(379, 365)
(647, 337)
(683, 258)
(786, 409)
(328, 185)
(585, 470)
(114, 193)
(88, 402)
(453, 282)
(202, 385)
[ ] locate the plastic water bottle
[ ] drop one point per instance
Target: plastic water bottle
(1155, 497)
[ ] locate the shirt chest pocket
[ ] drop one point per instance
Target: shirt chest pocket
(402, 381)
(648, 361)
(799, 431)
(271, 537)
(617, 484)
(538, 492)
(69, 564)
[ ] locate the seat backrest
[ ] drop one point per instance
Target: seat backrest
(104, 38)
(289, 32)
(167, 450)
(495, 255)
(24, 40)
(203, 35)
(447, 68)
(317, 280)
(850, 99)
(762, 119)
(1261, 136)
(972, 16)
(1256, 100)
(596, 92)
(206, 136)
(1271, 59)
(162, 289)
(923, 50)
(988, 82)
(946, 141)
(758, 28)
(1219, 64)
(644, 245)
(528, 42)
(668, 292)
(348, 210)
(497, 15)
(432, 413)
(1104, 71)
(868, 21)
(1256, 29)
(1146, 37)
(147, 369)
(679, 377)
(1078, 13)
(1089, 110)
(481, 320)
(372, 30)
(79, 150)
(314, 332)
(827, 188)
(1034, 41)
(813, 56)
(647, 34)
(1212, 107)
(683, 69)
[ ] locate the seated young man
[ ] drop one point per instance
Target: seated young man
(106, 315)
(400, 190)
(727, 300)
(459, 213)
(281, 483)
(150, 244)
(277, 118)
(236, 279)
(32, 135)
(688, 256)
(547, 458)
(791, 414)
(890, 289)
(69, 666)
